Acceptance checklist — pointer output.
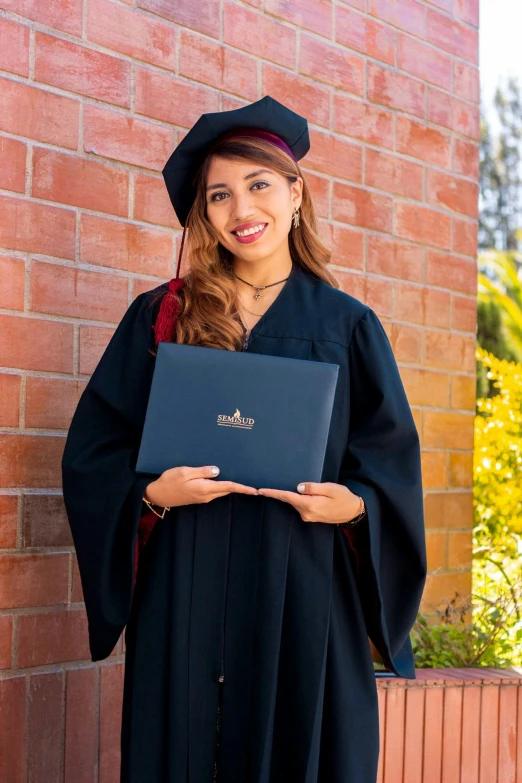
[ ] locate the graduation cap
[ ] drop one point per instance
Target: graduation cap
(266, 119)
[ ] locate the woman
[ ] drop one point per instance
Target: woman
(249, 610)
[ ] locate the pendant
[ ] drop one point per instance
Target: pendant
(257, 294)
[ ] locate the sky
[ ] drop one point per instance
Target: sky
(500, 30)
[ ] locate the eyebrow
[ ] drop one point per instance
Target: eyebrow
(248, 176)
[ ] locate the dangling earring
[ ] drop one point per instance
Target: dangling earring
(295, 215)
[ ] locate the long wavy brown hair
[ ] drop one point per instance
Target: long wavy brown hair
(208, 302)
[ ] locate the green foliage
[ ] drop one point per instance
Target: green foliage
(500, 305)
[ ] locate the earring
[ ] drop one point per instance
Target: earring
(295, 215)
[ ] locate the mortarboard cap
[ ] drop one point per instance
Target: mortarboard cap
(274, 118)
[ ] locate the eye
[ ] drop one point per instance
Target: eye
(222, 192)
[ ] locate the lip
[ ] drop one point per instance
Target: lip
(251, 237)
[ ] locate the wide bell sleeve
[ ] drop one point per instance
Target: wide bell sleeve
(102, 492)
(382, 465)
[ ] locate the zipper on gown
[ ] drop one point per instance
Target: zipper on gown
(222, 673)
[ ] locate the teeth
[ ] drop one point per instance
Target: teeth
(249, 231)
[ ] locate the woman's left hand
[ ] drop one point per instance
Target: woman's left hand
(319, 502)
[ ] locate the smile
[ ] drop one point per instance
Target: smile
(251, 234)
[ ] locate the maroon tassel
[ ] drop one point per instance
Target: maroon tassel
(169, 308)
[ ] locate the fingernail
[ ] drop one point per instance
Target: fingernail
(214, 470)
(260, 492)
(300, 487)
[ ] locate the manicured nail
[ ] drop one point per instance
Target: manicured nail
(214, 470)
(300, 487)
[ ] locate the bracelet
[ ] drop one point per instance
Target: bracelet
(360, 515)
(149, 504)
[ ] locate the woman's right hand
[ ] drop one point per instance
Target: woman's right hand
(183, 485)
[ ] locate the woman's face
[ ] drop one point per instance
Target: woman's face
(242, 195)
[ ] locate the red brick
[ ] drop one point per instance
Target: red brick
(420, 141)
(447, 430)
(362, 208)
(315, 15)
(14, 47)
(78, 293)
(10, 397)
(395, 259)
(46, 727)
(203, 17)
(423, 61)
(453, 113)
(119, 245)
(422, 305)
(452, 36)
(152, 203)
(124, 30)
(466, 82)
(12, 282)
(436, 547)
(8, 520)
(459, 550)
(12, 730)
(437, 308)
(413, 730)
(80, 182)
(331, 65)
(370, 290)
(320, 190)
(365, 35)
(461, 469)
(422, 224)
(36, 344)
(211, 63)
(80, 726)
(406, 342)
(464, 314)
(93, 341)
(407, 15)
(434, 469)
(111, 695)
(452, 734)
(466, 159)
(425, 387)
(439, 589)
(306, 97)
(127, 139)
(450, 351)
(37, 114)
(334, 156)
(37, 228)
(465, 237)
(258, 34)
(42, 394)
(33, 580)
(362, 121)
(166, 98)
(6, 642)
(12, 164)
(85, 71)
(455, 193)
(63, 15)
(44, 521)
(463, 392)
(31, 460)
(394, 175)
(396, 90)
(468, 11)
(348, 248)
(53, 637)
(452, 272)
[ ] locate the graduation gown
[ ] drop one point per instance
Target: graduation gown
(239, 595)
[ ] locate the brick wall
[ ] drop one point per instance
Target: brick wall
(94, 95)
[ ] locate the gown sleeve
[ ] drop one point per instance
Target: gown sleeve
(102, 492)
(382, 465)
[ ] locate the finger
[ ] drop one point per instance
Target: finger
(315, 488)
(280, 494)
(224, 487)
(206, 471)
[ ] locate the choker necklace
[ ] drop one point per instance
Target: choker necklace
(259, 288)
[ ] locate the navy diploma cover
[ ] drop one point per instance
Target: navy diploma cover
(262, 419)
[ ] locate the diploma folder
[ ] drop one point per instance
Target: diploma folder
(262, 419)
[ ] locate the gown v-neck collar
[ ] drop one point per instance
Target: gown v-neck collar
(281, 303)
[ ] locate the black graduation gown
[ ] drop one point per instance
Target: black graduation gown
(241, 587)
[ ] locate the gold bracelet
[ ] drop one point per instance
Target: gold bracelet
(362, 512)
(149, 504)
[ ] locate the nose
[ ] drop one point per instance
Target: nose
(242, 207)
